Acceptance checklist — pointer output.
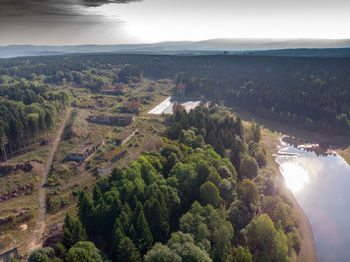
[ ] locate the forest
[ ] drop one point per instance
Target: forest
(201, 198)
(307, 92)
(28, 112)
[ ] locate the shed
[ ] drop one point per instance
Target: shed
(8, 248)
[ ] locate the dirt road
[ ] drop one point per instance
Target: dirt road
(36, 241)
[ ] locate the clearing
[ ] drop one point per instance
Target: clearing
(36, 241)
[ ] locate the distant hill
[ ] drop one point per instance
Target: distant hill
(306, 52)
(301, 47)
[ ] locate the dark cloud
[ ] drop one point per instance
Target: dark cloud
(13, 8)
(98, 2)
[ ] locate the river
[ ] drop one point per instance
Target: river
(320, 182)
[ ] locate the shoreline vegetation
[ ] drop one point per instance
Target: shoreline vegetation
(339, 144)
(308, 251)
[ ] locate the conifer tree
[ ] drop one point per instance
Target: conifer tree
(144, 236)
(219, 148)
(86, 212)
(127, 251)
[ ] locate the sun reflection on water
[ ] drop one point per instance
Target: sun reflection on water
(295, 176)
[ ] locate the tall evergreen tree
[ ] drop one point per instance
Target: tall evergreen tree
(144, 236)
(127, 251)
(86, 212)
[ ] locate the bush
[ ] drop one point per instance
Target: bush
(41, 254)
(248, 167)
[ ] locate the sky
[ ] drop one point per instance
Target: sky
(73, 22)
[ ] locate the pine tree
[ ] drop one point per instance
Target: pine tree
(68, 222)
(211, 139)
(96, 194)
(125, 217)
(86, 212)
(73, 232)
(127, 251)
(219, 148)
(78, 232)
(184, 120)
(144, 236)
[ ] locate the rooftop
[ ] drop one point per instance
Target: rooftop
(7, 243)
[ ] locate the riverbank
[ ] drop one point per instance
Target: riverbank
(308, 251)
(340, 144)
(344, 153)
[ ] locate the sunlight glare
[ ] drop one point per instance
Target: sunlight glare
(295, 176)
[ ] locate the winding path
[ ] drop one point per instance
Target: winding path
(36, 240)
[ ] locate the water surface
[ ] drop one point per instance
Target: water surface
(321, 185)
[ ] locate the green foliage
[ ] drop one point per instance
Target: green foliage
(144, 236)
(294, 240)
(248, 193)
(248, 167)
(127, 251)
(265, 241)
(86, 211)
(279, 211)
(184, 246)
(242, 255)
(27, 112)
(254, 133)
(210, 194)
(41, 255)
(186, 176)
(280, 248)
(83, 252)
(239, 214)
(162, 253)
(210, 229)
(73, 232)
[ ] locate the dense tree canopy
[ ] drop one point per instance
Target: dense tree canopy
(309, 92)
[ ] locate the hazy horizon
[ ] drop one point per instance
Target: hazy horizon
(209, 40)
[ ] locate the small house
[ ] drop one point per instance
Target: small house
(8, 248)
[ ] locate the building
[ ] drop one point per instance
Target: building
(118, 120)
(115, 155)
(181, 87)
(82, 152)
(8, 248)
